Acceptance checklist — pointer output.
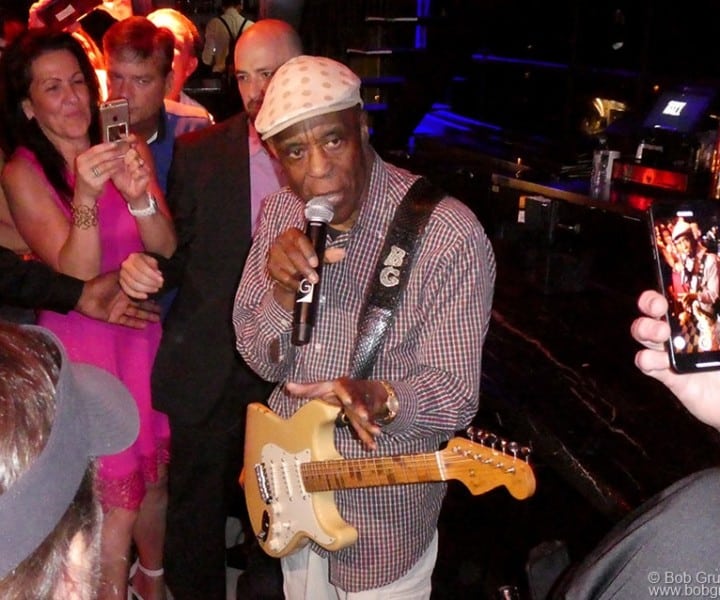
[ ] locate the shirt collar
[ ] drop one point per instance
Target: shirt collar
(161, 132)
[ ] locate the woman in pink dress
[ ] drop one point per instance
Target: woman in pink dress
(82, 207)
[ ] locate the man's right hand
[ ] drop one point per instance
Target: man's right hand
(290, 259)
(103, 299)
(699, 392)
(140, 276)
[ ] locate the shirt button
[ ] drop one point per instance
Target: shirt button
(318, 347)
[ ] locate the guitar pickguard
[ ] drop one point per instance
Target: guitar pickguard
(289, 506)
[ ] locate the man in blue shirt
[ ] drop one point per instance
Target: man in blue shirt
(139, 59)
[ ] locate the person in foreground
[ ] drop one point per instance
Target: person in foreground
(425, 381)
(57, 417)
(675, 534)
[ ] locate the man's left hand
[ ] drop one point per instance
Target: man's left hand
(362, 401)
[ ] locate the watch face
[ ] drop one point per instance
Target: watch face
(392, 406)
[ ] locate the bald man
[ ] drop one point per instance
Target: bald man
(218, 179)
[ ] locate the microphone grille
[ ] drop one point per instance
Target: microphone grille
(320, 209)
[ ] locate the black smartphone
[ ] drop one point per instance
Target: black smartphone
(114, 119)
(684, 238)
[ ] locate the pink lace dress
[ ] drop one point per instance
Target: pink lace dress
(127, 353)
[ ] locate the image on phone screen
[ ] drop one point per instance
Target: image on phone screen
(685, 239)
(114, 118)
(116, 132)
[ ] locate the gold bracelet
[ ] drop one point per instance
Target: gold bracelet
(84, 217)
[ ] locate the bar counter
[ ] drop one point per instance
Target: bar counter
(559, 360)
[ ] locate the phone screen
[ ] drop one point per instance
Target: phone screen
(685, 243)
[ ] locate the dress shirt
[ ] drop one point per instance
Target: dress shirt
(266, 174)
(190, 101)
(431, 356)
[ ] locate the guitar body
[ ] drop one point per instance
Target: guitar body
(283, 514)
(292, 468)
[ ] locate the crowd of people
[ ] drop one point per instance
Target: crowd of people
(171, 261)
(81, 206)
(169, 213)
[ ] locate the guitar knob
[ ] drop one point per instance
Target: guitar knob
(264, 527)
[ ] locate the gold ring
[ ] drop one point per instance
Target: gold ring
(342, 419)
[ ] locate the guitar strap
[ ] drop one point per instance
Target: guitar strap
(392, 272)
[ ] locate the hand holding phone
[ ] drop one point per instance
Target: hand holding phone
(114, 120)
(58, 14)
(684, 238)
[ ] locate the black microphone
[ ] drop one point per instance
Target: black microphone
(318, 212)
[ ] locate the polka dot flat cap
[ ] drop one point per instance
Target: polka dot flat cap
(304, 87)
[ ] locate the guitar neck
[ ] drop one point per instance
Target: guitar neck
(321, 476)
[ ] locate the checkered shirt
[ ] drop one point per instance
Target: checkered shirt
(431, 356)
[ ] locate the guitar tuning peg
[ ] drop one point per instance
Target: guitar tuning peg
(490, 439)
(479, 435)
(503, 446)
(514, 447)
(473, 433)
(525, 452)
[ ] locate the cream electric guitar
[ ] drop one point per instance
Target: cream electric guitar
(292, 468)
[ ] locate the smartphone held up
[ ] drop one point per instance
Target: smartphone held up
(684, 238)
(58, 14)
(114, 120)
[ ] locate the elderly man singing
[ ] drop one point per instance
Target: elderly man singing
(422, 383)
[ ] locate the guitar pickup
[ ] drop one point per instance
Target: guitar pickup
(262, 481)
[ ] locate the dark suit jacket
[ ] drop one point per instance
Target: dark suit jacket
(197, 368)
(32, 284)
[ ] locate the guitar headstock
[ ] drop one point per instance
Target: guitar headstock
(487, 461)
